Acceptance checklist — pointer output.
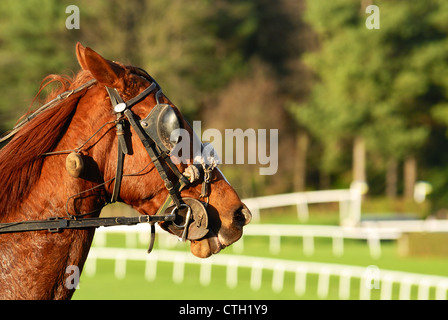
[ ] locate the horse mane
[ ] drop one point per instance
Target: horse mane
(20, 160)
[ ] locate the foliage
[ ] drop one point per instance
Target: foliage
(33, 41)
(386, 85)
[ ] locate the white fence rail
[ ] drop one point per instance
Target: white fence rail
(371, 278)
(349, 203)
(373, 233)
(275, 232)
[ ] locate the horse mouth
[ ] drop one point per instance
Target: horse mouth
(212, 244)
(216, 240)
(206, 247)
(218, 237)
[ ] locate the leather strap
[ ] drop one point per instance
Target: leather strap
(118, 172)
(122, 149)
(150, 147)
(58, 224)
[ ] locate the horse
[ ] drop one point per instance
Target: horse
(102, 135)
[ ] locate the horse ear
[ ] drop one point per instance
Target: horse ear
(104, 71)
(80, 55)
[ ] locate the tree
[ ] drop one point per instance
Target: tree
(34, 43)
(378, 85)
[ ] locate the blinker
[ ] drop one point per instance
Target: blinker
(162, 126)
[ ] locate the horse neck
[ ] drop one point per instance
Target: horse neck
(30, 258)
(33, 264)
(56, 193)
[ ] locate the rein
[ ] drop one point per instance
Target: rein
(186, 217)
(48, 105)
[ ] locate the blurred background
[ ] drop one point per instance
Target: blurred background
(351, 104)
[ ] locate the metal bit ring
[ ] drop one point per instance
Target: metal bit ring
(187, 218)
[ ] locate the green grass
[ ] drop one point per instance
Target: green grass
(104, 285)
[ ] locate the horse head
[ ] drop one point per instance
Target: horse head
(208, 211)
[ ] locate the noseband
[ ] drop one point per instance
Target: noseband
(185, 217)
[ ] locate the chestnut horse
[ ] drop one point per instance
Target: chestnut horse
(35, 185)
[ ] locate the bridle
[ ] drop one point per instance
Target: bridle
(184, 217)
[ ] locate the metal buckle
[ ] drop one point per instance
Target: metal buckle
(186, 223)
(63, 223)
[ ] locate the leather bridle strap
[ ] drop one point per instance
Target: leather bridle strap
(58, 224)
(150, 145)
(116, 98)
(122, 149)
(121, 107)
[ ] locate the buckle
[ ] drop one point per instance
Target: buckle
(62, 224)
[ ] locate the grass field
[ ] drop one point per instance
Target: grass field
(104, 285)
(134, 286)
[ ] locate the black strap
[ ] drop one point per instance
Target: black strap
(58, 224)
(122, 150)
(149, 145)
(118, 175)
(173, 168)
(114, 95)
(142, 95)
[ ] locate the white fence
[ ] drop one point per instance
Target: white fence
(349, 203)
(371, 278)
(372, 234)
(275, 232)
(372, 231)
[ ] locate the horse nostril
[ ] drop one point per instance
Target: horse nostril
(243, 215)
(247, 214)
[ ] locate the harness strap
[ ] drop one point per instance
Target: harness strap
(122, 149)
(149, 145)
(173, 168)
(48, 105)
(57, 224)
(119, 170)
(142, 95)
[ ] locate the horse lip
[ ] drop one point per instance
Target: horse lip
(215, 244)
(219, 246)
